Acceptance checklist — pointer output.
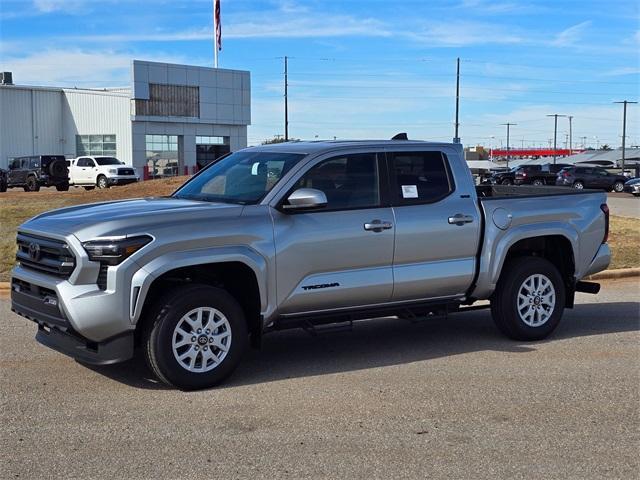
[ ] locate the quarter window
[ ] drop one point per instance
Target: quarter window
(420, 177)
(349, 181)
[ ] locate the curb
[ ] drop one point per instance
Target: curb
(612, 274)
(606, 275)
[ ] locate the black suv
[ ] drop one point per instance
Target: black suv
(591, 177)
(539, 174)
(37, 171)
(3, 180)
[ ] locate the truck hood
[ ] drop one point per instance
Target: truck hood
(128, 217)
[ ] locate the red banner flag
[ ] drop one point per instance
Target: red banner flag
(216, 7)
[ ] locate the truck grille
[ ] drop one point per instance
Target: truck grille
(126, 171)
(45, 255)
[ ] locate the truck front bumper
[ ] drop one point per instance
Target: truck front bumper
(123, 179)
(41, 306)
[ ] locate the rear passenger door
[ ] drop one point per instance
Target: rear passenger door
(437, 227)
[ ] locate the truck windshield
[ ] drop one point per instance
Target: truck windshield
(108, 161)
(244, 177)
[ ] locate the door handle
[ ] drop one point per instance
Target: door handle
(377, 226)
(460, 219)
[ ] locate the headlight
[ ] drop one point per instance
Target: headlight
(113, 171)
(113, 252)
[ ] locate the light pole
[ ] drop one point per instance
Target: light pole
(584, 142)
(555, 134)
(624, 129)
(570, 136)
(508, 125)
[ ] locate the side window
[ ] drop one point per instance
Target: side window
(420, 177)
(348, 181)
(15, 164)
(35, 162)
(83, 162)
(24, 163)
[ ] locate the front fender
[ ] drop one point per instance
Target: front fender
(148, 273)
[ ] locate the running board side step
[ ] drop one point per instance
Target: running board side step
(587, 287)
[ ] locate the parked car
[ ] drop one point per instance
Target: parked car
(37, 171)
(192, 279)
(505, 177)
(591, 177)
(633, 186)
(99, 171)
(538, 174)
(3, 180)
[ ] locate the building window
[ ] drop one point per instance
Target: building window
(170, 101)
(96, 145)
(209, 149)
(162, 155)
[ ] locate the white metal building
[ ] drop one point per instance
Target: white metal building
(173, 118)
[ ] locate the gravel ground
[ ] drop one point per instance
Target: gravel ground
(437, 399)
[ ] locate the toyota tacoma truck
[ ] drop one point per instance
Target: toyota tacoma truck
(302, 234)
(101, 172)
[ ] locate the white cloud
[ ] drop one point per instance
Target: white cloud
(571, 35)
(463, 33)
(48, 6)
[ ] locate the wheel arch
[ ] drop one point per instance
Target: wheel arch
(243, 275)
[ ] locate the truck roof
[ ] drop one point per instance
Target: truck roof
(307, 147)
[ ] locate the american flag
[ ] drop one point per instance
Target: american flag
(216, 10)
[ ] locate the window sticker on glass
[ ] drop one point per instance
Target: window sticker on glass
(409, 191)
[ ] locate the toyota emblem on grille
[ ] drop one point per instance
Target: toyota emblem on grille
(34, 251)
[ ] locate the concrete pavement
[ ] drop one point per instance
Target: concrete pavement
(438, 399)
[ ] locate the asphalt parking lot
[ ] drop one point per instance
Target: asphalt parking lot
(624, 205)
(391, 399)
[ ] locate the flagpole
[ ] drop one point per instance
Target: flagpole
(215, 36)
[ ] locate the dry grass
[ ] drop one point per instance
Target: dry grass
(17, 206)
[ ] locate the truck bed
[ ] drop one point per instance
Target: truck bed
(489, 192)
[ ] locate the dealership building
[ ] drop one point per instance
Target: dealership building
(172, 119)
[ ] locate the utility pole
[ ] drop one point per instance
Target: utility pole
(624, 129)
(555, 134)
(570, 136)
(456, 138)
(508, 125)
(286, 100)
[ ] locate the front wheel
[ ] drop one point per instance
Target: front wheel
(197, 337)
(618, 187)
(506, 181)
(537, 182)
(578, 185)
(31, 185)
(102, 182)
(529, 299)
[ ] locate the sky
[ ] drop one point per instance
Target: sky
(362, 68)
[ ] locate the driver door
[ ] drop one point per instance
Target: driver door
(333, 257)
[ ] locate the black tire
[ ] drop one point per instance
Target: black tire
(504, 304)
(506, 181)
(618, 186)
(537, 182)
(159, 332)
(578, 185)
(3, 187)
(64, 187)
(101, 182)
(89, 188)
(32, 185)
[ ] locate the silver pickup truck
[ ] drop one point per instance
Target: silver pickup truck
(302, 234)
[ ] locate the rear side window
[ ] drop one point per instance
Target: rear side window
(34, 162)
(419, 177)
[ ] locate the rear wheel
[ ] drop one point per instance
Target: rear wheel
(3, 186)
(196, 338)
(101, 182)
(578, 185)
(31, 185)
(506, 181)
(618, 187)
(537, 182)
(529, 299)
(63, 187)
(89, 188)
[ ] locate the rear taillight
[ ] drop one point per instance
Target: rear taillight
(524, 174)
(605, 209)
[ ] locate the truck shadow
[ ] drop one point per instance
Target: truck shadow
(391, 341)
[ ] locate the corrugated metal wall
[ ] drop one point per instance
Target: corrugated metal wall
(97, 113)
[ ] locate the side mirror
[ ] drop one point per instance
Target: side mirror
(305, 199)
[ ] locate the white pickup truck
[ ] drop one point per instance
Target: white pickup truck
(102, 172)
